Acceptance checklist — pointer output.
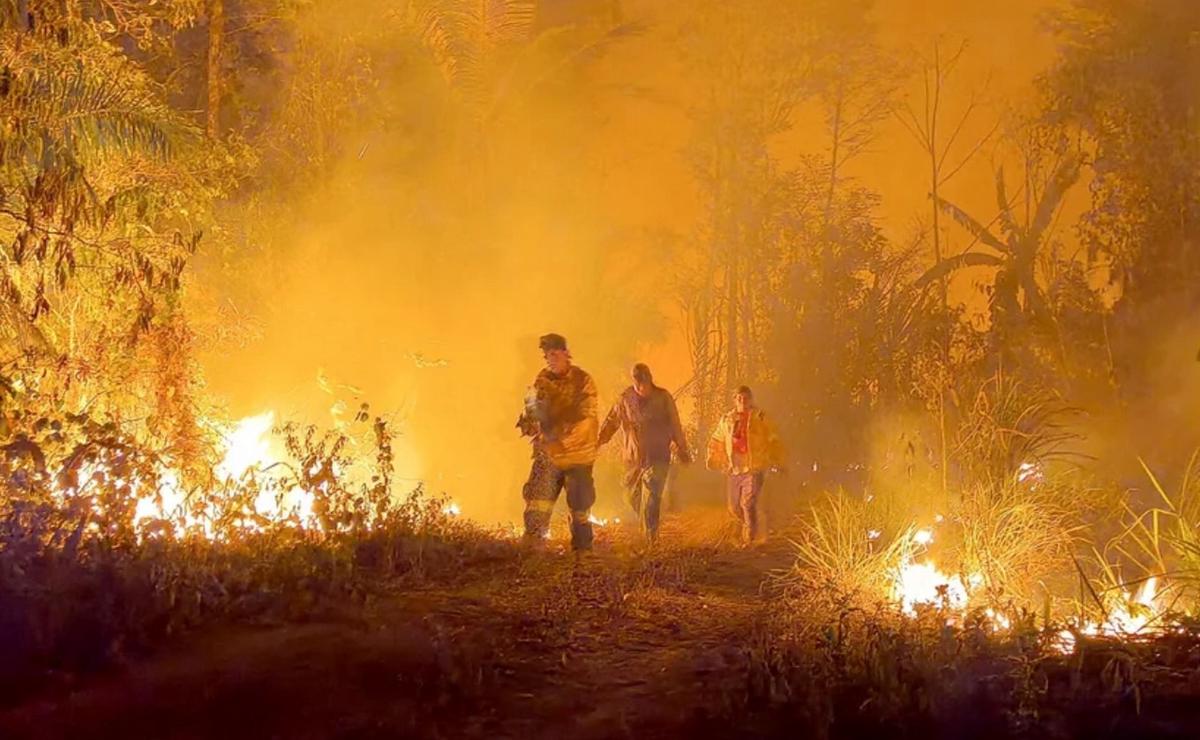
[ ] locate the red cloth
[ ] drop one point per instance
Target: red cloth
(741, 433)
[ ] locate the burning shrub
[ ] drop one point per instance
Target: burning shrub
(103, 551)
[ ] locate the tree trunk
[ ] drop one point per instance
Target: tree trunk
(216, 40)
(836, 135)
(731, 321)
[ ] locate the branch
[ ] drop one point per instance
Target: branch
(971, 154)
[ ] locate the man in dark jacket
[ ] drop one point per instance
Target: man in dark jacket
(649, 423)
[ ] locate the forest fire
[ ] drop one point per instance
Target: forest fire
(918, 583)
(850, 345)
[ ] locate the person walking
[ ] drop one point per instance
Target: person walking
(744, 446)
(561, 417)
(648, 419)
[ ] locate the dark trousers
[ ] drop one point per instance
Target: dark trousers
(645, 486)
(546, 482)
(744, 493)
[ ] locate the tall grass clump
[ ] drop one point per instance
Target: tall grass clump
(843, 546)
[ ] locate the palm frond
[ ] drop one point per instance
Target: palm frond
(87, 106)
(955, 263)
(968, 222)
(1007, 222)
(1065, 175)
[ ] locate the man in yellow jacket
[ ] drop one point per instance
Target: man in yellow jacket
(562, 418)
(744, 446)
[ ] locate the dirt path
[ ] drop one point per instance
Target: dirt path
(625, 643)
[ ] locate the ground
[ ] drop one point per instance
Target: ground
(537, 645)
(629, 642)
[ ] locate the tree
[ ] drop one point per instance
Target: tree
(85, 133)
(853, 82)
(216, 42)
(1128, 80)
(1016, 296)
(103, 193)
(929, 129)
(752, 66)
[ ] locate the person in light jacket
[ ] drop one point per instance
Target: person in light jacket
(744, 446)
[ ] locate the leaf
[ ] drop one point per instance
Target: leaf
(1005, 208)
(955, 263)
(978, 230)
(1065, 175)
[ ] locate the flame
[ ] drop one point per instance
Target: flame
(998, 621)
(1131, 615)
(1128, 615)
(1064, 642)
(163, 499)
(923, 584)
(247, 446)
(916, 584)
(1030, 473)
(597, 520)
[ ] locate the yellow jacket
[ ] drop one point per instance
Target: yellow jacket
(570, 426)
(764, 450)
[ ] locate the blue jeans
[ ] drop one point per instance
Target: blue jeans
(645, 486)
(744, 491)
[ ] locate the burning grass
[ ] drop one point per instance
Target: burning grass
(969, 625)
(110, 548)
(107, 548)
(1008, 558)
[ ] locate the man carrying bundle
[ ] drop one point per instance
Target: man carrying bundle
(561, 417)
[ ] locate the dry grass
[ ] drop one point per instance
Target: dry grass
(1161, 542)
(844, 546)
(1020, 537)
